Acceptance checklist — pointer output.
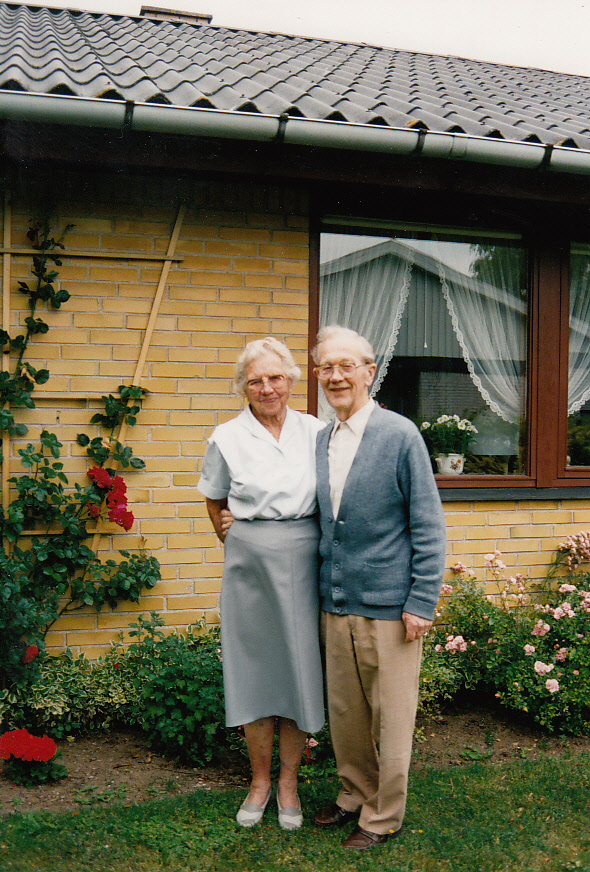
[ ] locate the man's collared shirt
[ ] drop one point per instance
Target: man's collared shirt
(344, 442)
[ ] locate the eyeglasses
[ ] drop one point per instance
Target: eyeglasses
(273, 381)
(345, 368)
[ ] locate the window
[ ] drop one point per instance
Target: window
(488, 325)
(578, 437)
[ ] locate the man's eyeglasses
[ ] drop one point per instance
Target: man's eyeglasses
(273, 381)
(345, 368)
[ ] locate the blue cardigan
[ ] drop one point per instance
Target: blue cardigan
(385, 552)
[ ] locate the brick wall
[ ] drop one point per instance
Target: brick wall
(244, 274)
(527, 532)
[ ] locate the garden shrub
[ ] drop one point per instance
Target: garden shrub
(170, 686)
(180, 691)
(70, 696)
(531, 652)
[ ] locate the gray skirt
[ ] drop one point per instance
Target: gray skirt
(270, 623)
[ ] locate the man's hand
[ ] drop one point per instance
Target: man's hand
(227, 520)
(415, 626)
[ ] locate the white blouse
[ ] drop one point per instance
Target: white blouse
(263, 479)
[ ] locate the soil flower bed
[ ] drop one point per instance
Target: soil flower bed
(118, 766)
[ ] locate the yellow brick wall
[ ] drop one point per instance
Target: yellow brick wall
(526, 532)
(244, 274)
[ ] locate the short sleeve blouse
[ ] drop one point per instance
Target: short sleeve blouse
(261, 477)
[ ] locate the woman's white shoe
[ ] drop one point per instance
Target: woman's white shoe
(249, 814)
(290, 818)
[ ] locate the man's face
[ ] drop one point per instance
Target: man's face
(346, 393)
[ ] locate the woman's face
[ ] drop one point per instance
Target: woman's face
(267, 387)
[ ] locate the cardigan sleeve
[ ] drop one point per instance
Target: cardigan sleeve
(426, 527)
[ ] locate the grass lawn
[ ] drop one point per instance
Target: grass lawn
(520, 816)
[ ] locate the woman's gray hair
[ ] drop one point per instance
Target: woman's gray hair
(364, 346)
(258, 348)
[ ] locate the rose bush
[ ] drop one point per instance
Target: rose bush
(531, 650)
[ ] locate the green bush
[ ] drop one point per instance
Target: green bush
(169, 686)
(179, 686)
(533, 654)
(69, 695)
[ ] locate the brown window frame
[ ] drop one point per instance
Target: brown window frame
(547, 371)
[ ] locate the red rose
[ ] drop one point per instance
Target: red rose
(29, 654)
(119, 515)
(99, 476)
(119, 488)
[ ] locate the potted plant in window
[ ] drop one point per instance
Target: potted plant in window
(448, 441)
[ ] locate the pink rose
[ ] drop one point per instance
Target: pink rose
(543, 668)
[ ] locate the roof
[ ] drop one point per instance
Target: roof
(85, 54)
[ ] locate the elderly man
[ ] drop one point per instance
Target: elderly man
(383, 548)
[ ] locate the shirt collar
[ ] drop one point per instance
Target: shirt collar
(358, 421)
(252, 424)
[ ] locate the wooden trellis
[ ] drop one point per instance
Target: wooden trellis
(7, 253)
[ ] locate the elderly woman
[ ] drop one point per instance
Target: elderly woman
(261, 467)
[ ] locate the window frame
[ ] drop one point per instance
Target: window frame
(547, 363)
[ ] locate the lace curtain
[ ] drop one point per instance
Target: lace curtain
(489, 319)
(365, 290)
(579, 347)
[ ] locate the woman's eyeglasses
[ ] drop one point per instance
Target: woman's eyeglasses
(273, 381)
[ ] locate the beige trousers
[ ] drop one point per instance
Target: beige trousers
(372, 677)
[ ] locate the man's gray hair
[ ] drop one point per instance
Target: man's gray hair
(258, 348)
(364, 346)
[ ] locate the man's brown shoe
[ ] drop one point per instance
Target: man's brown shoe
(333, 816)
(361, 839)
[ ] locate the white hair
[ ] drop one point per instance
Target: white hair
(258, 348)
(364, 346)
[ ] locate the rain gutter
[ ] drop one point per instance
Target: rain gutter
(189, 121)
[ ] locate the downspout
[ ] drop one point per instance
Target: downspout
(188, 121)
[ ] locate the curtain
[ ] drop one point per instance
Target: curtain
(579, 345)
(488, 312)
(366, 290)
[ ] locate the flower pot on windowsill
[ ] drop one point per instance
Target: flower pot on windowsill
(450, 464)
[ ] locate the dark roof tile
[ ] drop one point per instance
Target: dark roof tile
(93, 54)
